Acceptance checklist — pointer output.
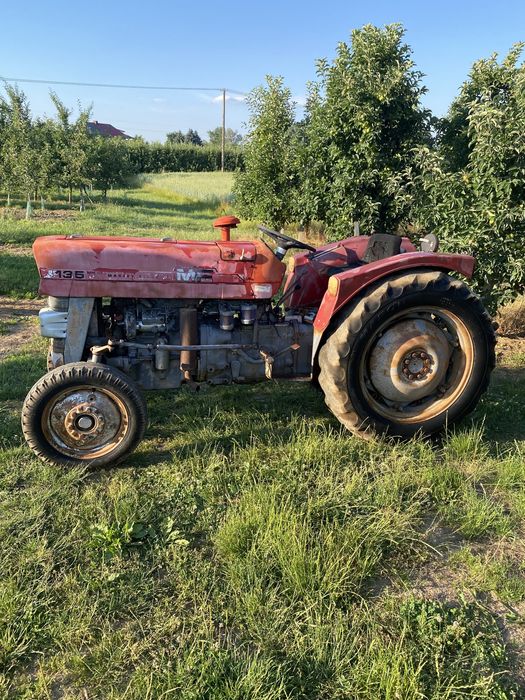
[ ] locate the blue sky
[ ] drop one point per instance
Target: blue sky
(231, 44)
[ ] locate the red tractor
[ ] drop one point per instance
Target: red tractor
(397, 344)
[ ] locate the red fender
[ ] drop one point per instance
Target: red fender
(344, 286)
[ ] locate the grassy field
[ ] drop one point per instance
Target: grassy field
(251, 549)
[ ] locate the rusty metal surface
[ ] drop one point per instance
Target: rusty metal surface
(101, 266)
(350, 282)
(409, 361)
(308, 282)
(417, 364)
(225, 223)
(189, 336)
(85, 422)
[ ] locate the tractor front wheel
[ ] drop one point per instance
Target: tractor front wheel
(412, 354)
(84, 414)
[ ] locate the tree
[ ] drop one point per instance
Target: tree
(363, 120)
(43, 149)
(264, 191)
(174, 137)
(18, 152)
(71, 142)
(4, 123)
(472, 191)
(193, 137)
(109, 162)
(231, 137)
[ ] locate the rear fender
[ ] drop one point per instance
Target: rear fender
(343, 287)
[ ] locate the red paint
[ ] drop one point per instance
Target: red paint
(311, 275)
(106, 266)
(225, 223)
(149, 268)
(354, 280)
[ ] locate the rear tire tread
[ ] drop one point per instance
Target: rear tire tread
(333, 376)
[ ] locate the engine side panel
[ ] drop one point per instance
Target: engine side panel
(105, 266)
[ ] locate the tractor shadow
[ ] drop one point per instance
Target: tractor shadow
(501, 412)
(220, 419)
(190, 209)
(184, 424)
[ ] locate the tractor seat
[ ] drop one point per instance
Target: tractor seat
(381, 245)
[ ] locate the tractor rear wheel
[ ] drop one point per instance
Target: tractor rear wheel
(84, 414)
(412, 354)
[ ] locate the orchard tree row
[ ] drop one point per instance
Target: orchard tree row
(368, 151)
(39, 156)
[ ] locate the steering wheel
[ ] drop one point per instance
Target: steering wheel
(284, 243)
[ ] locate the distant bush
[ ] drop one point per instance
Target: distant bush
(157, 158)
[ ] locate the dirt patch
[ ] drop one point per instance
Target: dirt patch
(15, 213)
(17, 323)
(13, 308)
(15, 249)
(443, 578)
(509, 351)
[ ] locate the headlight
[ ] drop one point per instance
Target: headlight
(430, 243)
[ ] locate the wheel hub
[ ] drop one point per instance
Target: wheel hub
(417, 365)
(86, 421)
(409, 361)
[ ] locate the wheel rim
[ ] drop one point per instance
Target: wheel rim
(417, 364)
(85, 422)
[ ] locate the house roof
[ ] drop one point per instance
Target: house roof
(101, 129)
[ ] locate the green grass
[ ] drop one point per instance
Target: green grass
(213, 188)
(253, 549)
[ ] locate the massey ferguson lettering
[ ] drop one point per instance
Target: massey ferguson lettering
(193, 275)
(180, 274)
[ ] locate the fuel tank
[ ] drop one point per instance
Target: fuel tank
(107, 266)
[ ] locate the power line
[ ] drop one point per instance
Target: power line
(117, 85)
(222, 90)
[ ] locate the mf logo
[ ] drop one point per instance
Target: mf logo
(193, 275)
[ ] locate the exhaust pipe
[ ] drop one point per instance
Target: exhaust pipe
(189, 335)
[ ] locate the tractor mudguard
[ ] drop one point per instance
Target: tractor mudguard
(344, 286)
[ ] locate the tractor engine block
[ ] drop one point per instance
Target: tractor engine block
(258, 341)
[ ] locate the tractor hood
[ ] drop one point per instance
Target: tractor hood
(97, 266)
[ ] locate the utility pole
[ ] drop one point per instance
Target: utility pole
(223, 139)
